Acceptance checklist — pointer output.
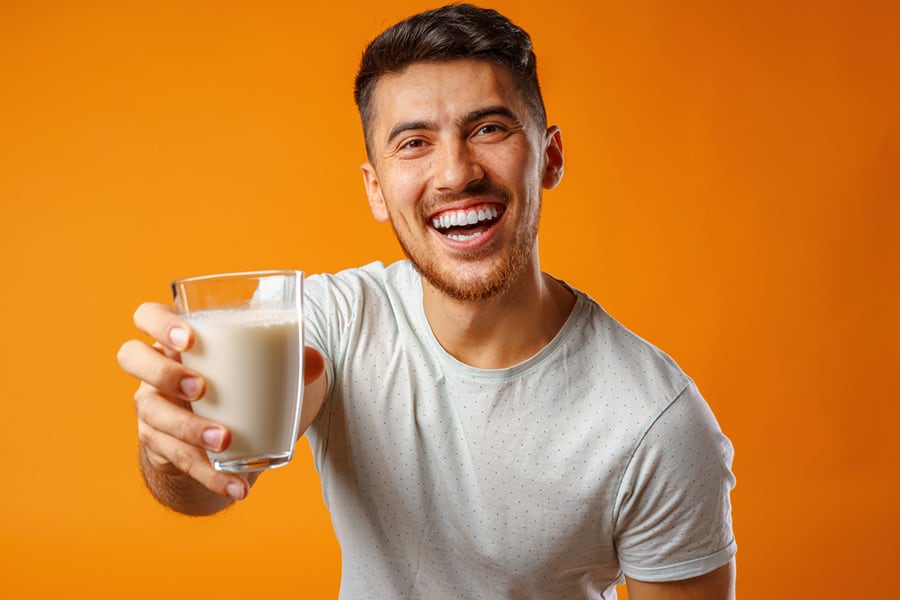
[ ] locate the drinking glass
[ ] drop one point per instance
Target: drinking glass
(249, 347)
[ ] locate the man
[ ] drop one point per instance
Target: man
(482, 430)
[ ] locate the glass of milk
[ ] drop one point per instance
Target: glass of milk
(249, 347)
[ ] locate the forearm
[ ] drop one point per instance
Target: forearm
(178, 490)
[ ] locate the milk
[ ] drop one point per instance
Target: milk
(251, 362)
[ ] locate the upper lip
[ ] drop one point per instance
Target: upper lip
(466, 205)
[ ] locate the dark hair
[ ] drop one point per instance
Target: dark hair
(452, 32)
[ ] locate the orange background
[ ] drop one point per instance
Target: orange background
(731, 193)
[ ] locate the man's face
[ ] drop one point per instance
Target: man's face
(457, 167)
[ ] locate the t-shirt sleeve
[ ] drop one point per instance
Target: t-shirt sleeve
(673, 508)
(319, 312)
(322, 316)
(333, 316)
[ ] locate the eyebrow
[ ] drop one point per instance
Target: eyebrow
(491, 111)
(475, 115)
(410, 126)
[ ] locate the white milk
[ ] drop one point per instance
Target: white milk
(251, 362)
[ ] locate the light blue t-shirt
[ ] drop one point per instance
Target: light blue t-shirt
(595, 457)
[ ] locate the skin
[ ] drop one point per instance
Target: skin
(716, 585)
(456, 136)
(445, 137)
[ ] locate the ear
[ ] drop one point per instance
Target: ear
(553, 158)
(373, 191)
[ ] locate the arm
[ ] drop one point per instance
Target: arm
(675, 517)
(173, 440)
(715, 585)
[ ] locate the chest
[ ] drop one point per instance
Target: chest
(520, 475)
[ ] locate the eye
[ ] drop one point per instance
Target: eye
(412, 146)
(488, 132)
(488, 129)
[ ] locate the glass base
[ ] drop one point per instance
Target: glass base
(248, 465)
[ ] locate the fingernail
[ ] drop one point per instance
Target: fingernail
(212, 438)
(179, 337)
(190, 386)
(235, 490)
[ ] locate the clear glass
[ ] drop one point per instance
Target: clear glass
(249, 348)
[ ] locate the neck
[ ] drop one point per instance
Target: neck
(503, 330)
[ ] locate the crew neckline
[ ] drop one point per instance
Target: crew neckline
(513, 371)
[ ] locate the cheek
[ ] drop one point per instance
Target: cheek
(517, 164)
(404, 188)
(519, 175)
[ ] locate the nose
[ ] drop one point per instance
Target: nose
(456, 167)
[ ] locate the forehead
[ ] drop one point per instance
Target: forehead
(435, 91)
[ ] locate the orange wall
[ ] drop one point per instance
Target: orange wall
(731, 193)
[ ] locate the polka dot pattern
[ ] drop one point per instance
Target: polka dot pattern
(543, 480)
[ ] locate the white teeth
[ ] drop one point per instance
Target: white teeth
(463, 237)
(462, 218)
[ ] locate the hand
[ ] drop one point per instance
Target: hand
(173, 439)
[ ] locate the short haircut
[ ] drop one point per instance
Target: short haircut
(457, 31)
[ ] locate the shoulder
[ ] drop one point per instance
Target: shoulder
(370, 275)
(355, 310)
(375, 275)
(623, 363)
(351, 286)
(368, 302)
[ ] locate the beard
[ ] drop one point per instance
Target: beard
(470, 286)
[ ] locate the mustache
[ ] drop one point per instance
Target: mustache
(478, 189)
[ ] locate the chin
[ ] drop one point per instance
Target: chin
(470, 286)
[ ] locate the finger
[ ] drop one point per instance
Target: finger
(161, 371)
(164, 326)
(168, 352)
(313, 365)
(162, 448)
(178, 421)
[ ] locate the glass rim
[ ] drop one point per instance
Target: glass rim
(239, 275)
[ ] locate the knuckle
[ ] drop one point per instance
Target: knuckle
(146, 434)
(184, 458)
(166, 373)
(143, 400)
(188, 430)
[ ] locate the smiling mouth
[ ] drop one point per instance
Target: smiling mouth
(467, 224)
